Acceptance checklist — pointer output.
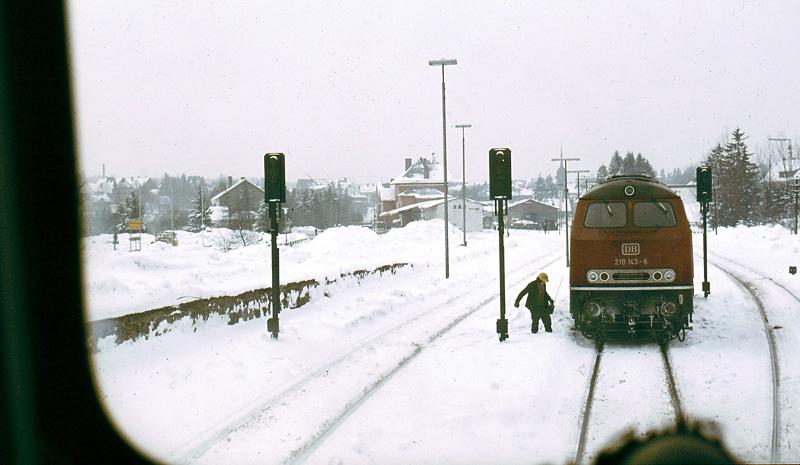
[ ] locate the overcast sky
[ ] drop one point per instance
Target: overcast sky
(345, 90)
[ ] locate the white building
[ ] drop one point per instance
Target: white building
(435, 209)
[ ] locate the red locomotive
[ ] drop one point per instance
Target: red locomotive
(631, 270)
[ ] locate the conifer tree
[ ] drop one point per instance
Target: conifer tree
(642, 166)
(615, 165)
(628, 164)
(602, 173)
(200, 213)
(735, 182)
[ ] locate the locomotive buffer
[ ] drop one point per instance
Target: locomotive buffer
(500, 192)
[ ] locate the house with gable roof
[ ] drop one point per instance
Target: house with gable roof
(241, 198)
(419, 194)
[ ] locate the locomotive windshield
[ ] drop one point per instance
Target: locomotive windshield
(606, 215)
(653, 214)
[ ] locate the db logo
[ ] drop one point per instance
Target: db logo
(630, 249)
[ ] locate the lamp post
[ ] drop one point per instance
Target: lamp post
(463, 181)
(444, 63)
(566, 199)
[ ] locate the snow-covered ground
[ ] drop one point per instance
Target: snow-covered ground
(447, 390)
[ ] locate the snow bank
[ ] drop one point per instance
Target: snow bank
(215, 263)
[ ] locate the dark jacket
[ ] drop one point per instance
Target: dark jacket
(538, 297)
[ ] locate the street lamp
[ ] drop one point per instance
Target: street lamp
(444, 63)
(463, 181)
(566, 199)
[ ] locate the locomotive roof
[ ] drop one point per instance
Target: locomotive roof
(614, 188)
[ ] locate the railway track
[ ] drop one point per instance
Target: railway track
(769, 333)
(281, 397)
(585, 416)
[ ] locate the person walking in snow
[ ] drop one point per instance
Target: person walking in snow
(538, 302)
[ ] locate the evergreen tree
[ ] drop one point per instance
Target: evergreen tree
(642, 166)
(628, 164)
(615, 165)
(551, 187)
(602, 173)
(130, 209)
(200, 213)
(540, 188)
(735, 183)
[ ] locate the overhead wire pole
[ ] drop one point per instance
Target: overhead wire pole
(566, 199)
(463, 181)
(578, 172)
(787, 174)
(444, 63)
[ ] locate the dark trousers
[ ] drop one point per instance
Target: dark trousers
(544, 315)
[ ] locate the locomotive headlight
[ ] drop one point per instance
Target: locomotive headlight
(593, 310)
(657, 276)
(669, 275)
(668, 308)
(604, 276)
(592, 275)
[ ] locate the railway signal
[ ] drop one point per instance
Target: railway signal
(274, 194)
(500, 192)
(704, 190)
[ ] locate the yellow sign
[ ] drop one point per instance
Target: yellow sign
(134, 225)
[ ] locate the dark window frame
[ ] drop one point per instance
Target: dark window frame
(603, 205)
(670, 213)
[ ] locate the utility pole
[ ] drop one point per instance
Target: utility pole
(788, 173)
(566, 198)
(578, 172)
(444, 63)
(463, 182)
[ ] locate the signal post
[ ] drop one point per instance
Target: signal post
(274, 194)
(500, 192)
(704, 197)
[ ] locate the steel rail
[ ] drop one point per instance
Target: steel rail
(587, 406)
(773, 355)
(680, 418)
(204, 442)
(302, 453)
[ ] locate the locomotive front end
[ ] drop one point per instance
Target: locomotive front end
(631, 271)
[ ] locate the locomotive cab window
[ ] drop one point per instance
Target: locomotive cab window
(653, 214)
(606, 215)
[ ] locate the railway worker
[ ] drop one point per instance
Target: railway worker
(538, 302)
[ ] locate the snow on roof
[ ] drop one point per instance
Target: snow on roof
(234, 186)
(366, 188)
(519, 202)
(416, 173)
(134, 181)
(423, 193)
(102, 186)
(426, 205)
(386, 193)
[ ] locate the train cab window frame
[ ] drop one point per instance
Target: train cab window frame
(648, 214)
(598, 212)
